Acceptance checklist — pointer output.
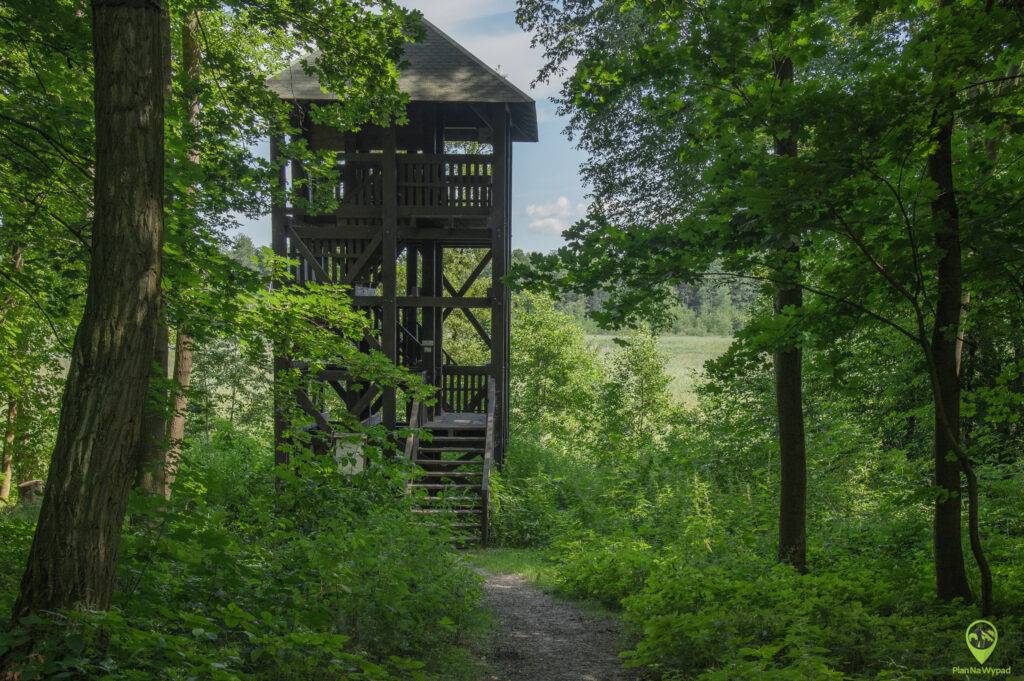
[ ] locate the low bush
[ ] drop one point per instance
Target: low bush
(606, 569)
(748, 620)
(327, 577)
(670, 514)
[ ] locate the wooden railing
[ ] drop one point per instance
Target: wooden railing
(412, 442)
(464, 388)
(444, 181)
(427, 184)
(362, 180)
(485, 484)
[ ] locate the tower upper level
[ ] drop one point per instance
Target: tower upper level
(460, 113)
(437, 70)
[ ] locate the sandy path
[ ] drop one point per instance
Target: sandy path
(540, 638)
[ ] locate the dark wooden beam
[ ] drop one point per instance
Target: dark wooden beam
(311, 230)
(470, 280)
(427, 339)
(340, 390)
(422, 301)
(389, 257)
(364, 258)
(500, 251)
(311, 260)
(470, 317)
(278, 242)
(410, 316)
(437, 289)
(475, 323)
(371, 341)
(469, 237)
(365, 400)
(307, 406)
(299, 177)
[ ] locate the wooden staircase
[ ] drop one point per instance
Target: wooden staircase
(453, 457)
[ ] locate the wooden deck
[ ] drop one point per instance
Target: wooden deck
(457, 420)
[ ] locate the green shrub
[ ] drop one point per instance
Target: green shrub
(523, 516)
(16, 527)
(328, 577)
(746, 620)
(606, 569)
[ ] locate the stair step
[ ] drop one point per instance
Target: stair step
(449, 474)
(435, 436)
(434, 485)
(450, 462)
(442, 511)
(449, 441)
(435, 449)
(477, 525)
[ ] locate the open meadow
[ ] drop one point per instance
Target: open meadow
(685, 357)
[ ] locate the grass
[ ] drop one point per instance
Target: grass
(535, 566)
(530, 564)
(686, 357)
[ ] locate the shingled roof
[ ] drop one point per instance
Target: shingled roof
(438, 69)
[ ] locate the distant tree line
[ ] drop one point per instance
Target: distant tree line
(707, 307)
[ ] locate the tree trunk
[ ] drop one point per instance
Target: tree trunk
(792, 448)
(950, 573)
(789, 395)
(152, 438)
(183, 346)
(176, 426)
(8, 465)
(74, 550)
(7, 474)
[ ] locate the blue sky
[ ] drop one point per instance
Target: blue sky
(547, 195)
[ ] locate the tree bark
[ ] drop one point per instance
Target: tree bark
(176, 426)
(74, 550)
(789, 394)
(8, 465)
(950, 572)
(792, 447)
(183, 347)
(7, 473)
(152, 440)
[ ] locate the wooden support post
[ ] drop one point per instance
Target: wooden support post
(500, 251)
(438, 290)
(279, 244)
(409, 315)
(429, 250)
(389, 257)
(300, 189)
(505, 386)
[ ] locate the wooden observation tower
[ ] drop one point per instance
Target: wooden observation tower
(408, 196)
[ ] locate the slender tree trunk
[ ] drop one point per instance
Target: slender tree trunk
(7, 473)
(950, 573)
(183, 347)
(152, 439)
(8, 465)
(74, 550)
(793, 482)
(176, 426)
(789, 394)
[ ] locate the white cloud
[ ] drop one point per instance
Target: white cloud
(555, 217)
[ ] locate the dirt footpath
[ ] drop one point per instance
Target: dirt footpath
(540, 638)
